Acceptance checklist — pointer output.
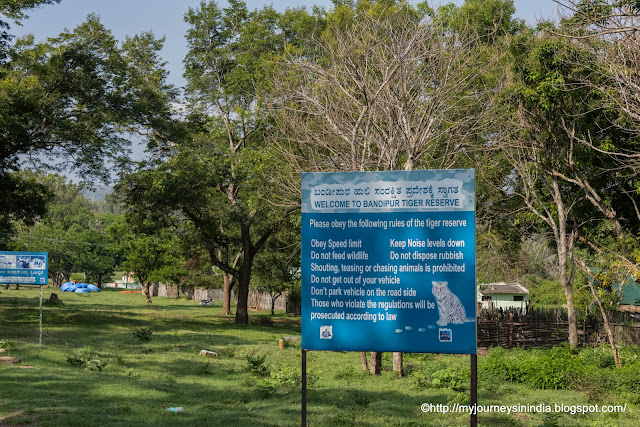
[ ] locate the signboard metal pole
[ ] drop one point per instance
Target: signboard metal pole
(474, 389)
(304, 388)
(40, 341)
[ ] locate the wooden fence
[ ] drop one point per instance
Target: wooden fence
(549, 327)
(257, 300)
(517, 328)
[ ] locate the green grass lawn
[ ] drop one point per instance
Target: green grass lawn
(144, 378)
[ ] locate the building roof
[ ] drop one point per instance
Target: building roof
(504, 288)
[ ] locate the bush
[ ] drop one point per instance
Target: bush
(292, 377)
(501, 365)
(454, 379)
(257, 364)
(143, 334)
(554, 368)
(545, 292)
(592, 370)
(88, 359)
(8, 345)
(447, 377)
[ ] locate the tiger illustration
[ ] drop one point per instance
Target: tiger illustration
(449, 306)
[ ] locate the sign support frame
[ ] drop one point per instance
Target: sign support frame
(20, 266)
(304, 388)
(364, 196)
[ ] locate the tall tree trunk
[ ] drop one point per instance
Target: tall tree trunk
(363, 360)
(397, 363)
(607, 327)
(562, 245)
(145, 290)
(242, 315)
(226, 297)
(376, 363)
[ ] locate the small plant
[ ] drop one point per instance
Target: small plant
(292, 377)
(288, 343)
(345, 373)
(143, 334)
(88, 359)
(360, 398)
(169, 378)
(229, 352)
(256, 364)
(8, 345)
(96, 365)
(449, 377)
(207, 369)
(551, 419)
(265, 389)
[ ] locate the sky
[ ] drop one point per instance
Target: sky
(165, 19)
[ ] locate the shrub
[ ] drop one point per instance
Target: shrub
(450, 378)
(501, 365)
(257, 364)
(545, 292)
(555, 369)
(287, 376)
(455, 379)
(142, 334)
(88, 359)
(207, 369)
(8, 345)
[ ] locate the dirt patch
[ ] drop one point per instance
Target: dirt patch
(287, 321)
(13, 414)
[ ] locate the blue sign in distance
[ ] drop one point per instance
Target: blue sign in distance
(28, 268)
(388, 261)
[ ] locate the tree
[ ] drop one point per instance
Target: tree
(386, 87)
(150, 250)
(599, 162)
(219, 176)
(73, 235)
(277, 267)
(25, 201)
(549, 134)
(99, 257)
(16, 11)
(68, 103)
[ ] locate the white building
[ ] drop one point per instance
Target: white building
(502, 295)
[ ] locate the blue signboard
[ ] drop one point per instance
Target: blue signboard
(388, 261)
(28, 268)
